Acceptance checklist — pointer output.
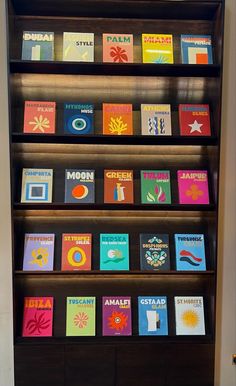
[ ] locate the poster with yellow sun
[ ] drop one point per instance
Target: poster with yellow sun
(189, 315)
(39, 117)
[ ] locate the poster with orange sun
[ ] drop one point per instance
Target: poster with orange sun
(79, 186)
(189, 315)
(39, 117)
(193, 187)
(76, 251)
(116, 315)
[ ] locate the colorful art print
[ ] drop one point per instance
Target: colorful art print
(194, 120)
(117, 119)
(154, 251)
(39, 117)
(155, 187)
(193, 186)
(80, 316)
(79, 186)
(157, 48)
(38, 316)
(118, 48)
(78, 46)
(196, 49)
(78, 118)
(114, 251)
(36, 185)
(38, 252)
(152, 313)
(116, 315)
(118, 186)
(189, 315)
(76, 251)
(156, 119)
(190, 252)
(38, 45)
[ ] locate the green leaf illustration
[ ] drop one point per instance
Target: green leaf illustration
(150, 197)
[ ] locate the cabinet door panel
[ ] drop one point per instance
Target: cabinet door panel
(141, 365)
(165, 365)
(90, 365)
(39, 365)
(191, 365)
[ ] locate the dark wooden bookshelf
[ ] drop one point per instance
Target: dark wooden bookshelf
(121, 69)
(104, 207)
(115, 140)
(114, 361)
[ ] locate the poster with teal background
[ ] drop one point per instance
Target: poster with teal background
(114, 251)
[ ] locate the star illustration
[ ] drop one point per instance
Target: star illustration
(195, 126)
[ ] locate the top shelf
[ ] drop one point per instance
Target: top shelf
(149, 9)
(125, 69)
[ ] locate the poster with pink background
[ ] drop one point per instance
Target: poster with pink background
(193, 187)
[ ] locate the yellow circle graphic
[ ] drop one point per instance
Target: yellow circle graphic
(71, 257)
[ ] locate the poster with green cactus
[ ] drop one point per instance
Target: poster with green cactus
(155, 187)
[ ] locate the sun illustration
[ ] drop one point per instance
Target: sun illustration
(40, 123)
(40, 256)
(194, 192)
(190, 318)
(117, 321)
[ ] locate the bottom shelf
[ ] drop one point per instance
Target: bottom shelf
(114, 364)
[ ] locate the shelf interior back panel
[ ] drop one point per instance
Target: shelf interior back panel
(134, 226)
(136, 90)
(62, 286)
(98, 26)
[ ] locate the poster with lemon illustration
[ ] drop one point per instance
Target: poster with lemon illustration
(38, 252)
(189, 315)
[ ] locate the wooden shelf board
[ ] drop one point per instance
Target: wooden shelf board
(114, 207)
(116, 340)
(115, 140)
(180, 10)
(122, 69)
(109, 274)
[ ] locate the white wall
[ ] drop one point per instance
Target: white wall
(226, 319)
(6, 343)
(226, 299)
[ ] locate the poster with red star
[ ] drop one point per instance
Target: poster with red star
(194, 120)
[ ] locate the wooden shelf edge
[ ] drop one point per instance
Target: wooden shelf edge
(121, 69)
(115, 207)
(115, 140)
(116, 340)
(110, 274)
